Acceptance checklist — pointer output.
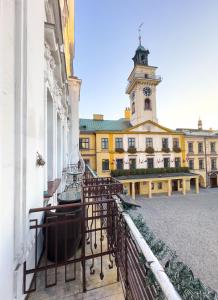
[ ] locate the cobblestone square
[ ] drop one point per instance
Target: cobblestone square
(189, 225)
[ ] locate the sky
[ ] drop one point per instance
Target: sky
(182, 37)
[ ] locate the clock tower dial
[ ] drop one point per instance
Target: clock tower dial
(147, 91)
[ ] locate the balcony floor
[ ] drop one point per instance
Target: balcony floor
(108, 288)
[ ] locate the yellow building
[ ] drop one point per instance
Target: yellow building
(201, 149)
(145, 156)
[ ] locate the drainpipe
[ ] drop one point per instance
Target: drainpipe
(205, 155)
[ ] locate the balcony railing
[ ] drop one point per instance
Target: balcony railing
(135, 260)
(103, 232)
(143, 76)
(147, 76)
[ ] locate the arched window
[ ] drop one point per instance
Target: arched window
(133, 107)
(147, 104)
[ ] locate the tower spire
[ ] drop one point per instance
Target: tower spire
(139, 31)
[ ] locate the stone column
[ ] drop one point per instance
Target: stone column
(74, 85)
(183, 186)
(133, 190)
(149, 189)
(169, 187)
(197, 185)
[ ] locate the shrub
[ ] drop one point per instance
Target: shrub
(166, 149)
(180, 275)
(119, 150)
(149, 150)
(116, 173)
(132, 149)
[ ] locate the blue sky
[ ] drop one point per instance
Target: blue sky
(182, 37)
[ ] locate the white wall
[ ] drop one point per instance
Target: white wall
(141, 114)
(26, 75)
(31, 140)
(74, 96)
(7, 160)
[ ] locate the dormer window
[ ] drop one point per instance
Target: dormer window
(147, 105)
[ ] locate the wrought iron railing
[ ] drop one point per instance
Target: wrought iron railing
(137, 263)
(72, 233)
(139, 271)
(96, 230)
(155, 78)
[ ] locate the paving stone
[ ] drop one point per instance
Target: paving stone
(189, 225)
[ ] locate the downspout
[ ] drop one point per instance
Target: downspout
(205, 155)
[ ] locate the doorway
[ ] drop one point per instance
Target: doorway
(213, 180)
(137, 188)
(175, 185)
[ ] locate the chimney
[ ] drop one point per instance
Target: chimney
(98, 117)
(127, 113)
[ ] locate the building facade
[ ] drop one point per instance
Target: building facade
(138, 141)
(201, 148)
(39, 123)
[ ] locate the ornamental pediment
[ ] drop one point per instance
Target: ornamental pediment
(149, 126)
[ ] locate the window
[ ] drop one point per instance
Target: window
(166, 162)
(119, 163)
(212, 147)
(160, 185)
(201, 164)
(118, 143)
(190, 147)
(131, 142)
(105, 164)
(150, 163)
(200, 147)
(87, 161)
(147, 105)
(133, 107)
(152, 185)
(104, 143)
(84, 143)
(165, 143)
(191, 164)
(213, 164)
(132, 163)
(149, 142)
(177, 162)
(175, 142)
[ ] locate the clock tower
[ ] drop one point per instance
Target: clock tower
(142, 88)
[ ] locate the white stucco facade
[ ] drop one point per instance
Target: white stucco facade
(34, 119)
(142, 88)
(141, 156)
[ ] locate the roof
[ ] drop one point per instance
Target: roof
(161, 175)
(197, 132)
(104, 125)
(140, 47)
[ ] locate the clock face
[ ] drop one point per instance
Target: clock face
(133, 95)
(147, 91)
